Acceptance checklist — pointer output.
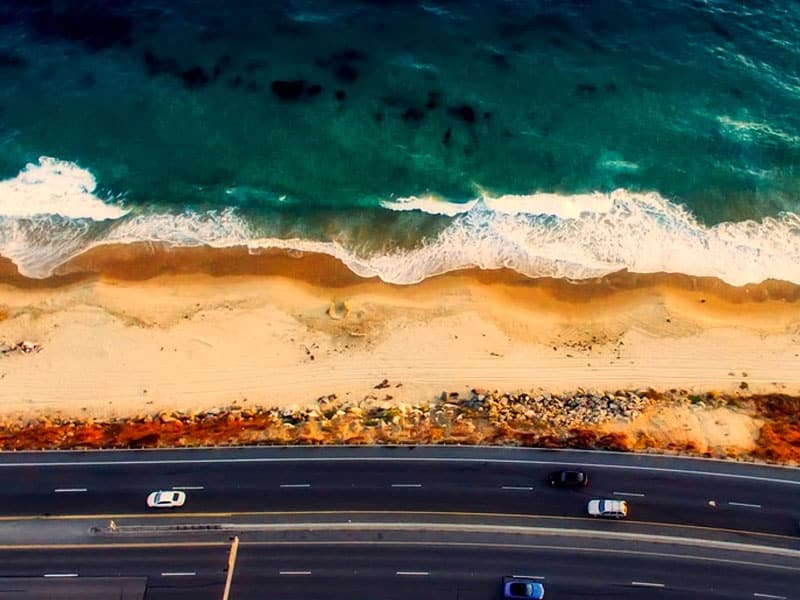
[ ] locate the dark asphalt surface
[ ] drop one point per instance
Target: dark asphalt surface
(86, 588)
(664, 490)
(339, 572)
(660, 490)
(207, 564)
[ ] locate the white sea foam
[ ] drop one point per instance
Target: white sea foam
(410, 61)
(749, 130)
(49, 213)
(563, 236)
(210, 228)
(54, 187)
(586, 235)
(37, 245)
(431, 204)
(619, 165)
(308, 11)
(564, 207)
(558, 205)
(311, 17)
(439, 11)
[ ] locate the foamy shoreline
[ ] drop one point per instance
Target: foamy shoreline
(51, 219)
(163, 330)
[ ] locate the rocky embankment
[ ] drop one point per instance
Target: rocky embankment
(583, 419)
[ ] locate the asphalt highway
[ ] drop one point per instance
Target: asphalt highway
(752, 507)
(397, 572)
(178, 573)
(659, 490)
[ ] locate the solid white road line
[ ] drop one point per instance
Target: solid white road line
(60, 574)
(517, 487)
(179, 574)
(530, 576)
(406, 485)
(647, 584)
(294, 572)
(188, 487)
(295, 485)
(69, 490)
(772, 596)
(744, 504)
(634, 494)
(424, 459)
(412, 573)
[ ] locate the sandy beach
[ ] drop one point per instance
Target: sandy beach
(127, 330)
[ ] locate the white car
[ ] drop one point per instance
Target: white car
(166, 499)
(613, 509)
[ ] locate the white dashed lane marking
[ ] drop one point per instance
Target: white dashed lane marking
(745, 504)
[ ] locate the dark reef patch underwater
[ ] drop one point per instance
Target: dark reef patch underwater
(563, 139)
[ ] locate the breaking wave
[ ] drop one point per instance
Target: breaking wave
(49, 214)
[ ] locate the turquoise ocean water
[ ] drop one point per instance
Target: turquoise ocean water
(408, 138)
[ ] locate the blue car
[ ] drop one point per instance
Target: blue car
(519, 587)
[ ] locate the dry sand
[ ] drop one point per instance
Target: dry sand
(282, 331)
(714, 431)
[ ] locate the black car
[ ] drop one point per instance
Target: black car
(569, 479)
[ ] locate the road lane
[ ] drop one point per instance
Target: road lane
(756, 499)
(338, 571)
(474, 572)
(88, 588)
(746, 498)
(148, 561)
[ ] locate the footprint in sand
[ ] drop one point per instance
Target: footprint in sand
(338, 310)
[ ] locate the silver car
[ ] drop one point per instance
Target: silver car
(612, 509)
(166, 499)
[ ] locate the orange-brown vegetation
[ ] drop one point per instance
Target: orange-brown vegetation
(269, 429)
(442, 423)
(779, 439)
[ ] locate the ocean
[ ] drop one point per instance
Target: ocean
(566, 139)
